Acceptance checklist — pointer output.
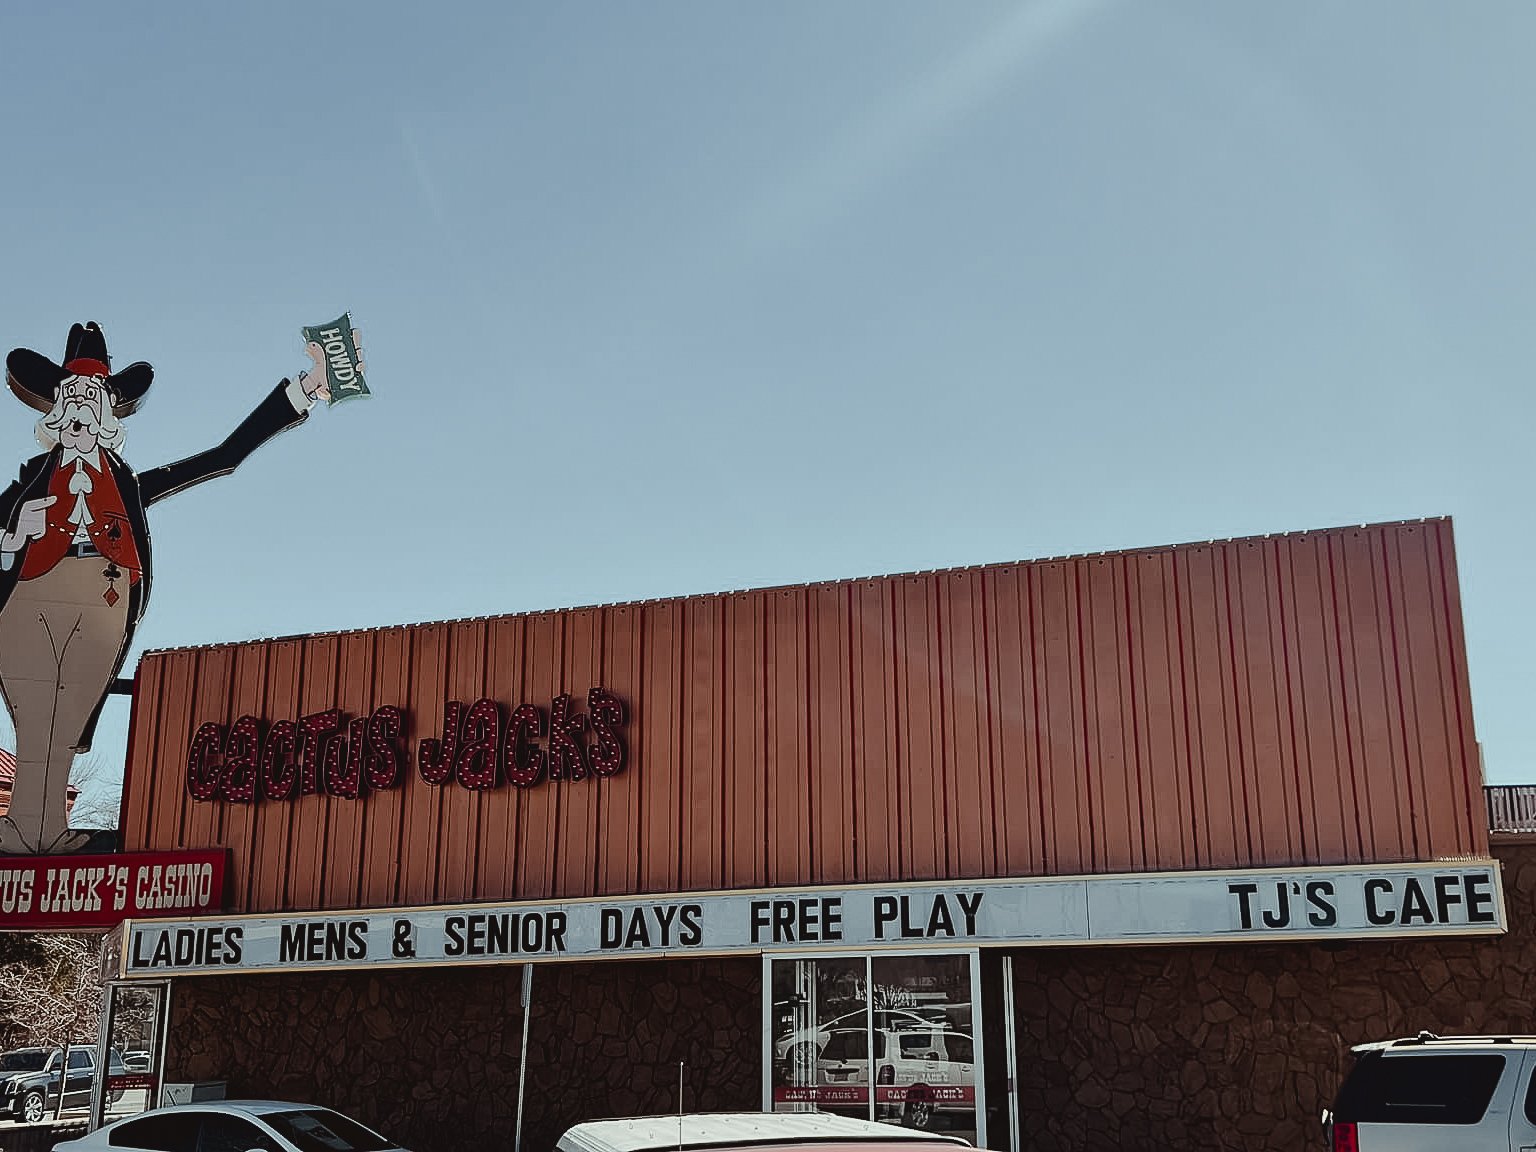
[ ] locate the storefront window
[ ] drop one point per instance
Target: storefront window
(886, 1037)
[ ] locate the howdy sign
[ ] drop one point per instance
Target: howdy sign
(479, 748)
(99, 891)
(1230, 906)
(339, 356)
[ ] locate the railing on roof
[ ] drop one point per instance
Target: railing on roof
(1511, 807)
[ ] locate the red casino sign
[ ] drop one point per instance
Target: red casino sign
(99, 891)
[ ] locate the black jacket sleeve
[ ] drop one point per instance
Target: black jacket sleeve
(275, 414)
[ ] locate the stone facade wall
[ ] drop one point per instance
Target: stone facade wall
(1243, 1046)
(430, 1058)
(1230, 1047)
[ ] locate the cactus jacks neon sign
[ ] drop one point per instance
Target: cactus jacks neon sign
(479, 748)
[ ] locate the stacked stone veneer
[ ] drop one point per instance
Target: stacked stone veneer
(430, 1058)
(1235, 1047)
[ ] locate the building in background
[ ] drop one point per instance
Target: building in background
(8, 779)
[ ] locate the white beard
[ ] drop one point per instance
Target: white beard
(108, 431)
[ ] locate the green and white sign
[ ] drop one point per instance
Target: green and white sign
(343, 364)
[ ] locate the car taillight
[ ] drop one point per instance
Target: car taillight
(887, 1074)
(1344, 1138)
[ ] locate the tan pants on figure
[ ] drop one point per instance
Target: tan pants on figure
(59, 647)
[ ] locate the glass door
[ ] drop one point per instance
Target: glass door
(817, 1004)
(131, 1049)
(889, 1037)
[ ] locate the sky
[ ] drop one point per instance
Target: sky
(668, 297)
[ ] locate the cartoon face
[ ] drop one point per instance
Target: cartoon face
(81, 418)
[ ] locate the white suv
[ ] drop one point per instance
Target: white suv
(1430, 1093)
(918, 1074)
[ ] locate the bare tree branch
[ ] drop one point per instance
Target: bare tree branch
(51, 997)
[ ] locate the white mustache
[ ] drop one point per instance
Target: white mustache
(76, 413)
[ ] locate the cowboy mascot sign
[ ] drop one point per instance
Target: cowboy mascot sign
(75, 555)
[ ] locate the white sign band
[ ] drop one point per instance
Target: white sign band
(1194, 907)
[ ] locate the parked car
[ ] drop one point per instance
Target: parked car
(138, 1060)
(896, 1019)
(743, 1132)
(918, 1073)
(234, 1126)
(1427, 1092)
(29, 1080)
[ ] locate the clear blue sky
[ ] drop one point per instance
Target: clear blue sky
(673, 297)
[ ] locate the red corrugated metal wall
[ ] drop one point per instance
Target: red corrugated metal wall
(1296, 699)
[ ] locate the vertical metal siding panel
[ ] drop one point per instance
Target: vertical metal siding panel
(879, 800)
(1405, 757)
(346, 825)
(540, 838)
(1161, 750)
(458, 847)
(1291, 701)
(972, 846)
(701, 744)
(271, 851)
(660, 738)
(424, 720)
(1456, 703)
(790, 831)
(1340, 703)
(1324, 804)
(1217, 751)
(151, 772)
(576, 859)
(1387, 798)
(1302, 840)
(1116, 834)
(746, 777)
(1196, 800)
(621, 797)
(241, 821)
(1068, 840)
(1239, 567)
(1273, 776)
(173, 743)
(210, 701)
(1219, 831)
(920, 726)
(1350, 699)
(1440, 817)
(1127, 737)
(831, 742)
(381, 850)
(312, 813)
(1013, 727)
(1238, 704)
(496, 875)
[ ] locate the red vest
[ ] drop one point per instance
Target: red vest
(109, 528)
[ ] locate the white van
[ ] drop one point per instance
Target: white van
(748, 1131)
(1429, 1094)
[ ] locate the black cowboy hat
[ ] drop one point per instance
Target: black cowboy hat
(35, 378)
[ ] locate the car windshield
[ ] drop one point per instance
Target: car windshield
(29, 1060)
(321, 1130)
